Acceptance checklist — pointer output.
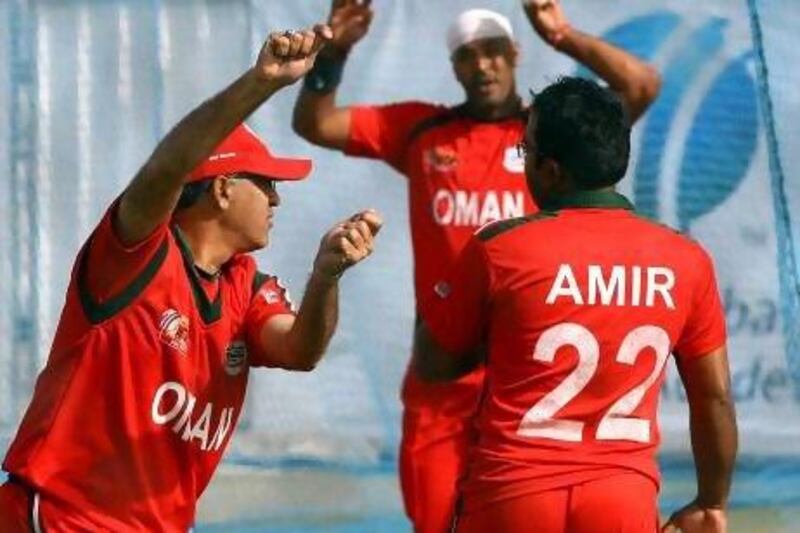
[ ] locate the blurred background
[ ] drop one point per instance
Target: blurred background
(87, 87)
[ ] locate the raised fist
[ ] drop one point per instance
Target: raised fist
(287, 56)
(547, 19)
(349, 20)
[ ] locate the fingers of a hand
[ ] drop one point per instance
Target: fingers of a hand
(337, 4)
(348, 252)
(372, 218)
(355, 14)
(363, 14)
(279, 44)
(364, 231)
(296, 39)
(308, 39)
(354, 236)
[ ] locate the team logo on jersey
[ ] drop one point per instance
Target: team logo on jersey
(513, 161)
(440, 159)
(174, 330)
(442, 289)
(273, 296)
(235, 358)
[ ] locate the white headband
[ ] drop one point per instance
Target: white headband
(476, 24)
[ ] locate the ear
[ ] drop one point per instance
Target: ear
(516, 54)
(221, 192)
(558, 177)
(551, 174)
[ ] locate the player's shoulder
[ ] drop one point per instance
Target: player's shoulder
(242, 268)
(493, 230)
(430, 116)
(411, 109)
(678, 243)
(666, 232)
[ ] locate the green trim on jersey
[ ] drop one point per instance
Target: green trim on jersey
(259, 279)
(100, 312)
(209, 311)
(459, 112)
(493, 230)
(602, 199)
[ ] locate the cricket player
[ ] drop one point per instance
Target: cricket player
(462, 170)
(577, 310)
(165, 315)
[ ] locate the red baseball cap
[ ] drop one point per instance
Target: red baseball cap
(244, 151)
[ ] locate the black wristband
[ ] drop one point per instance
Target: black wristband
(326, 74)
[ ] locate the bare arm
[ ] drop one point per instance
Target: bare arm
(637, 83)
(316, 116)
(714, 441)
(433, 363)
(299, 342)
(151, 197)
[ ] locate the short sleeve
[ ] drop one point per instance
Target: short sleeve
(456, 309)
(111, 266)
(270, 298)
(382, 132)
(704, 330)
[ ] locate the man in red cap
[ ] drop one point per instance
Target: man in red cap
(165, 314)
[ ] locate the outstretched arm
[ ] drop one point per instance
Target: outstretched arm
(636, 82)
(151, 197)
(316, 115)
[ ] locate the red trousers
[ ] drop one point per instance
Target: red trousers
(15, 508)
(624, 503)
(438, 429)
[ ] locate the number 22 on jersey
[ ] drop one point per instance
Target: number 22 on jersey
(616, 424)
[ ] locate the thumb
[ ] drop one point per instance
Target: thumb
(669, 526)
(323, 35)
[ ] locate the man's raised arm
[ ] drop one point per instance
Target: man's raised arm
(637, 83)
(151, 197)
(316, 115)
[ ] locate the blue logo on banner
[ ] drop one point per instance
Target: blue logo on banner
(723, 136)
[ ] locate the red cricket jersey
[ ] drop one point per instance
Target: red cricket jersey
(143, 386)
(462, 174)
(581, 307)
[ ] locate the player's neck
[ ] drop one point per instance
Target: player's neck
(510, 108)
(208, 243)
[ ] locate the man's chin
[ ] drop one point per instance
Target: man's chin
(257, 244)
(488, 101)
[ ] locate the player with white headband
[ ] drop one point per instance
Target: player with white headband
(462, 170)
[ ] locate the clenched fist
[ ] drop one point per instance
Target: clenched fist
(349, 21)
(287, 56)
(347, 243)
(547, 19)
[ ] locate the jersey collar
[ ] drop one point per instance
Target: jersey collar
(209, 311)
(589, 200)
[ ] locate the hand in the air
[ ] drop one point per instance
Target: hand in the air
(547, 19)
(349, 20)
(347, 243)
(287, 56)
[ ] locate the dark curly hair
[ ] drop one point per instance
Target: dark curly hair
(585, 128)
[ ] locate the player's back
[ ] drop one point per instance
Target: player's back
(586, 304)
